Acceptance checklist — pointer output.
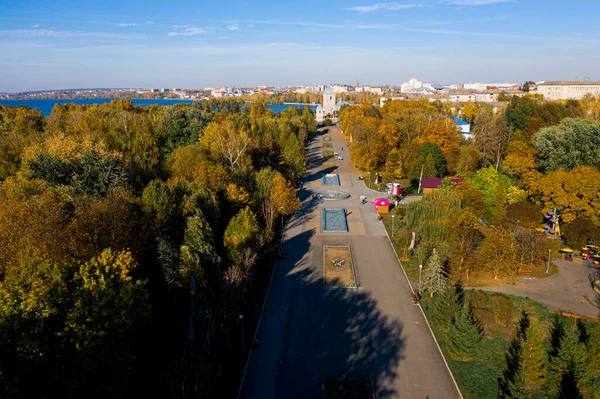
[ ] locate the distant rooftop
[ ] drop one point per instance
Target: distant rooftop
(570, 83)
(459, 121)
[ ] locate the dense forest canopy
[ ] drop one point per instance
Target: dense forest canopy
(129, 236)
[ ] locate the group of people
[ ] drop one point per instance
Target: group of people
(363, 199)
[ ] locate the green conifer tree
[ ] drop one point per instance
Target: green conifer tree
(446, 305)
(464, 335)
(570, 363)
(533, 356)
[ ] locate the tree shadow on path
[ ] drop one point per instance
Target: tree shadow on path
(333, 333)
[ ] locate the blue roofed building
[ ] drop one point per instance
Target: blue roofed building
(463, 127)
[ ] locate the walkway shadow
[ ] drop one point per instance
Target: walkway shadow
(331, 333)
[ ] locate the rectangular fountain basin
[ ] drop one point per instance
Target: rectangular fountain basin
(331, 179)
(334, 221)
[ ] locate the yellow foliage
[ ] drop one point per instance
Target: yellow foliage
(515, 194)
(573, 193)
(235, 193)
(64, 148)
(284, 196)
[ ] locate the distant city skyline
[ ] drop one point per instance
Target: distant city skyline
(196, 44)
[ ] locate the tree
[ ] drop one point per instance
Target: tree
(241, 232)
(572, 143)
(227, 144)
(433, 158)
(463, 337)
(468, 160)
(497, 209)
(569, 363)
(533, 355)
(580, 232)
(498, 252)
(434, 279)
(63, 325)
(394, 165)
(524, 214)
(90, 174)
(284, 196)
(195, 259)
(521, 159)
(572, 193)
(491, 134)
(446, 305)
(465, 238)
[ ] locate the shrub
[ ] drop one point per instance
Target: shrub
(328, 122)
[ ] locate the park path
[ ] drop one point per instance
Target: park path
(308, 333)
(569, 290)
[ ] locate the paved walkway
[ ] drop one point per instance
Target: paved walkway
(567, 290)
(308, 333)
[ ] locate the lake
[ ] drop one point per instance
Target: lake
(46, 106)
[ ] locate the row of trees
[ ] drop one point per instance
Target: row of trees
(129, 237)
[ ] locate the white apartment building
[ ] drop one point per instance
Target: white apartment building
(407, 87)
(568, 89)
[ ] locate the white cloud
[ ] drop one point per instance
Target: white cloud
(188, 32)
(233, 27)
(384, 6)
(36, 25)
(52, 33)
(149, 22)
(123, 24)
(475, 2)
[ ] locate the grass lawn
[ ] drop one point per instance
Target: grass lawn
(338, 268)
(327, 145)
(327, 154)
(348, 388)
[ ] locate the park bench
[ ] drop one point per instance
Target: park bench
(524, 272)
(415, 298)
(569, 314)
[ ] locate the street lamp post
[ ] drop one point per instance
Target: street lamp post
(243, 340)
(548, 264)
(420, 272)
(393, 217)
(369, 178)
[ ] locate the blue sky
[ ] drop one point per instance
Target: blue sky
(75, 43)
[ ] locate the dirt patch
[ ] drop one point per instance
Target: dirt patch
(327, 145)
(339, 271)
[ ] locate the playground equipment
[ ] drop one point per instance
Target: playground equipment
(552, 227)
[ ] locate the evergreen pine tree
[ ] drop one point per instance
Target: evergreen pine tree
(525, 361)
(570, 362)
(514, 384)
(533, 356)
(434, 279)
(464, 335)
(446, 305)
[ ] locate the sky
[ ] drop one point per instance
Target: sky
(196, 44)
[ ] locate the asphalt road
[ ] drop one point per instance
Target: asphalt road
(308, 333)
